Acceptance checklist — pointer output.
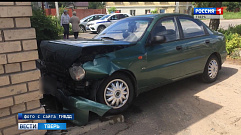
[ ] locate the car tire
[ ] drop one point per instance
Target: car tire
(122, 94)
(100, 28)
(211, 70)
(82, 29)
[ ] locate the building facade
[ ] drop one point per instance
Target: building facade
(140, 8)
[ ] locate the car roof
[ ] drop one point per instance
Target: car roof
(161, 15)
(117, 13)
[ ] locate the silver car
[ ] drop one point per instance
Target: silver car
(87, 19)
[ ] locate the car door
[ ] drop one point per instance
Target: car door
(163, 60)
(195, 45)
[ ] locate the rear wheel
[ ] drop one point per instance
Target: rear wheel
(100, 28)
(117, 92)
(211, 70)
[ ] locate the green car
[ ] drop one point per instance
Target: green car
(132, 56)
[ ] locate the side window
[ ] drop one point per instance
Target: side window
(122, 16)
(99, 16)
(114, 17)
(190, 28)
(127, 15)
(166, 27)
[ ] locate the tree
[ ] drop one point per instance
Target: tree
(111, 9)
(214, 23)
(154, 11)
(96, 5)
(232, 6)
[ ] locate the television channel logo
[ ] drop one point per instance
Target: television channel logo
(208, 11)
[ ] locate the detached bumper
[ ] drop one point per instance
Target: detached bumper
(81, 107)
(78, 105)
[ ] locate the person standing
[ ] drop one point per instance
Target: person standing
(65, 23)
(74, 20)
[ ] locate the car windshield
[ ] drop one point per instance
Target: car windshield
(129, 29)
(103, 18)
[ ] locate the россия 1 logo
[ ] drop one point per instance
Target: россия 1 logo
(208, 11)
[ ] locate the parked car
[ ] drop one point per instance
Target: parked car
(87, 19)
(134, 55)
(98, 25)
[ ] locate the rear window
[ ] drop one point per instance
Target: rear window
(191, 28)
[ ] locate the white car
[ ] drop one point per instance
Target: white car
(97, 26)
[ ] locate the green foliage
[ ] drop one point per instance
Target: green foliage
(61, 10)
(233, 42)
(56, 21)
(231, 6)
(96, 5)
(111, 9)
(231, 15)
(154, 11)
(202, 4)
(233, 38)
(46, 28)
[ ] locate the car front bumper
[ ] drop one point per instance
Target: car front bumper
(78, 105)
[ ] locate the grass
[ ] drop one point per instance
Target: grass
(231, 15)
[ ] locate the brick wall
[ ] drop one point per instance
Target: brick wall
(81, 13)
(19, 77)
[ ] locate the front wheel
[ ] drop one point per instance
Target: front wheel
(100, 28)
(211, 70)
(82, 29)
(116, 92)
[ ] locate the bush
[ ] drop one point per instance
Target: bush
(46, 28)
(233, 41)
(232, 36)
(111, 9)
(56, 21)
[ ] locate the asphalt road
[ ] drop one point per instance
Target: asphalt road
(225, 23)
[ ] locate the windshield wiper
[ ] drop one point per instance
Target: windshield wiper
(109, 38)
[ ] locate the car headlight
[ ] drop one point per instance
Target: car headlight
(77, 73)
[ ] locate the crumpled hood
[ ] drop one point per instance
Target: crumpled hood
(65, 52)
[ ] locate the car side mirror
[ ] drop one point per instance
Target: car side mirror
(158, 40)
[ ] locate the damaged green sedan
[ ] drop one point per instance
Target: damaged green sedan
(133, 55)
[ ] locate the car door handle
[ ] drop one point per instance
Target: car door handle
(178, 47)
(207, 41)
